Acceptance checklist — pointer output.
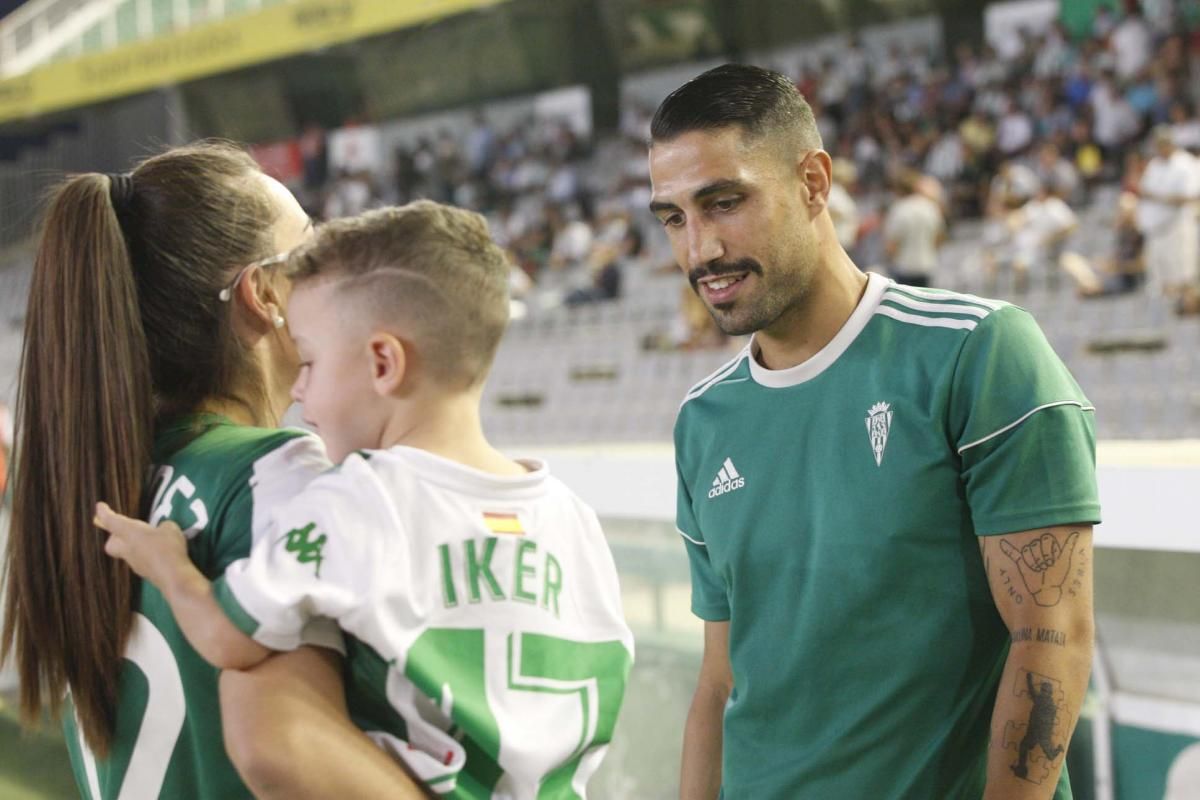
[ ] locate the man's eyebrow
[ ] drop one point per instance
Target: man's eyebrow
(708, 190)
(716, 188)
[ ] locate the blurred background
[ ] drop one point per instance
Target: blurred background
(1028, 126)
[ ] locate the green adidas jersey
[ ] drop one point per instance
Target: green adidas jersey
(168, 740)
(830, 513)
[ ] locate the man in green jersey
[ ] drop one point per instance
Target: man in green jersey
(887, 498)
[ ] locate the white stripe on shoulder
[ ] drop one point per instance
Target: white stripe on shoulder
(1022, 418)
(928, 322)
(690, 539)
(724, 371)
(937, 308)
(933, 294)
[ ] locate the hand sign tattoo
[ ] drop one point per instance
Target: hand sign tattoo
(1044, 565)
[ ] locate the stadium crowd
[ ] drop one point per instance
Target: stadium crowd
(1020, 134)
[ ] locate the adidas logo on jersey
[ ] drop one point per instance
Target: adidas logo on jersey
(727, 480)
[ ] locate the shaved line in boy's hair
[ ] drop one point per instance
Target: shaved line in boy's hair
(413, 306)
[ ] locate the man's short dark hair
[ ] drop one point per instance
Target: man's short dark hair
(760, 101)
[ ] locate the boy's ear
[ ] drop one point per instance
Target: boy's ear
(389, 363)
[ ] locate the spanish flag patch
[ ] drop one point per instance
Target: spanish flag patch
(503, 523)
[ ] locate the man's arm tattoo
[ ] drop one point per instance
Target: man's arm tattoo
(1039, 740)
(1044, 566)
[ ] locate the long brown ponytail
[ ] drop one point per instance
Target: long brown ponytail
(123, 323)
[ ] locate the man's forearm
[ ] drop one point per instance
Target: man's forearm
(1031, 730)
(700, 776)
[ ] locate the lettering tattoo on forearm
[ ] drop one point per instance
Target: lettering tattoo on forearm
(1075, 581)
(1045, 567)
(1039, 635)
(1039, 740)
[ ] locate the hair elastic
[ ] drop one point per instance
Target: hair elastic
(120, 190)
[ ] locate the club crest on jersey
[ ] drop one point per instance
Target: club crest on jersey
(879, 423)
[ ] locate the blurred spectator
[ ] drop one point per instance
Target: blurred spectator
(1132, 42)
(842, 207)
(1014, 131)
(1056, 173)
(1013, 186)
(912, 232)
(1170, 189)
(572, 237)
(1185, 126)
(352, 194)
(604, 269)
(315, 155)
(1104, 23)
(1040, 230)
(1088, 159)
(694, 328)
(1115, 120)
(1122, 272)
(480, 145)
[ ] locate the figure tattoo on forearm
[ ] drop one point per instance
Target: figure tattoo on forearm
(1043, 730)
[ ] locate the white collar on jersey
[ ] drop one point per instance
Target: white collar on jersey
(824, 358)
(460, 477)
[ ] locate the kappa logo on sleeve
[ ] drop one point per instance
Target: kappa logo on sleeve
(306, 548)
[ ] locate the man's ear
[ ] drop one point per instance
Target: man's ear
(815, 170)
(389, 363)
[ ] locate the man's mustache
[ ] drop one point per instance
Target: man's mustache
(715, 269)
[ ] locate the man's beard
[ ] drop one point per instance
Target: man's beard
(767, 307)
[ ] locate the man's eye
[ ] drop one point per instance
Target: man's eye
(726, 204)
(672, 220)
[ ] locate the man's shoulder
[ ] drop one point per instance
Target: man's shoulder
(928, 312)
(728, 373)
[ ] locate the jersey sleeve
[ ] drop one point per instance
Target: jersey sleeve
(313, 556)
(276, 476)
(709, 599)
(1023, 429)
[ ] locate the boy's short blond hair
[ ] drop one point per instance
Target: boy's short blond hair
(430, 270)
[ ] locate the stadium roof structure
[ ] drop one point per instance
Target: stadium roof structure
(277, 29)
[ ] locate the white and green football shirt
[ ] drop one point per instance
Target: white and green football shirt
(168, 742)
(830, 514)
(487, 647)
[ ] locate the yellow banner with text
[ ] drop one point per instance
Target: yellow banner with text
(276, 32)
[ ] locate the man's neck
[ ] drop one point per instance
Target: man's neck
(802, 332)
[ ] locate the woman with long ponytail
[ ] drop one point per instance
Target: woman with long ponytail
(155, 370)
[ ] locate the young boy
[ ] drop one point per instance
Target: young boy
(487, 648)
